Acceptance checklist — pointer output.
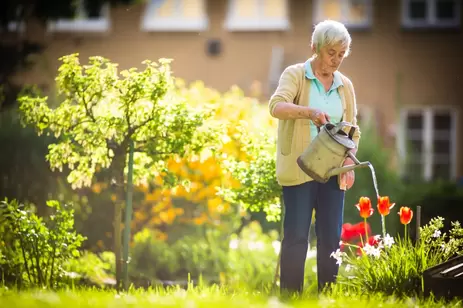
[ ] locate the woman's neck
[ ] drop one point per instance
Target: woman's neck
(318, 70)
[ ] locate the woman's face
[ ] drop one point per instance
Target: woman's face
(331, 57)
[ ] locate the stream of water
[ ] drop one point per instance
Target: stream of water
(375, 182)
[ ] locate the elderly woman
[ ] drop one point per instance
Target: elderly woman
(309, 95)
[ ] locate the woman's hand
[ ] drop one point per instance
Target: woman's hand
(318, 117)
(349, 177)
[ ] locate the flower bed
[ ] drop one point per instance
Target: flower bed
(373, 263)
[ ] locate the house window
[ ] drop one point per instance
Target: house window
(257, 15)
(175, 15)
(15, 22)
(83, 21)
(14, 26)
(431, 13)
(428, 143)
(352, 13)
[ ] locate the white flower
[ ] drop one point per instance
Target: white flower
(234, 244)
(388, 240)
(338, 254)
(276, 246)
(349, 267)
(445, 248)
(371, 251)
(436, 233)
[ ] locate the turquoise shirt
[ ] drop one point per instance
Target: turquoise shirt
(325, 101)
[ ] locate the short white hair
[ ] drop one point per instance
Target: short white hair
(330, 32)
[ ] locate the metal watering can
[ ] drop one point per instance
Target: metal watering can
(325, 154)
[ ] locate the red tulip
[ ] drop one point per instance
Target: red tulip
(373, 241)
(384, 205)
(346, 232)
(341, 246)
(406, 215)
(364, 207)
(351, 232)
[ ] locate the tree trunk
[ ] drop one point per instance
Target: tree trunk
(119, 186)
(117, 241)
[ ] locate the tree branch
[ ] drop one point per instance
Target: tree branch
(72, 127)
(127, 114)
(87, 111)
(151, 118)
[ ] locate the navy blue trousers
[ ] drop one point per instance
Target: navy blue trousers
(328, 202)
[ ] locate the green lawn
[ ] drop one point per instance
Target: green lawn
(212, 297)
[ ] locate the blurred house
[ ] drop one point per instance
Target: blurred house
(406, 57)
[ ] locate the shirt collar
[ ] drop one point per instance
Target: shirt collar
(337, 80)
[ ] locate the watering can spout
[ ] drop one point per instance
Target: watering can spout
(344, 169)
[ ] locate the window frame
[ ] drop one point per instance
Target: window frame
(431, 20)
(427, 137)
(172, 24)
(235, 23)
(14, 26)
(99, 24)
(317, 14)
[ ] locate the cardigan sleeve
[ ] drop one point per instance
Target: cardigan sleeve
(286, 90)
(356, 136)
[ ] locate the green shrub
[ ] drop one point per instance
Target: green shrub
(245, 260)
(33, 250)
(91, 268)
(152, 258)
(195, 255)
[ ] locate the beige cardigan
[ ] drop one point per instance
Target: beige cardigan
(294, 135)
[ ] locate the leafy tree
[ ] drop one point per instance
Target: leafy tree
(14, 15)
(102, 113)
(23, 10)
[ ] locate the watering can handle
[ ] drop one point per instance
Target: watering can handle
(351, 132)
(318, 127)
